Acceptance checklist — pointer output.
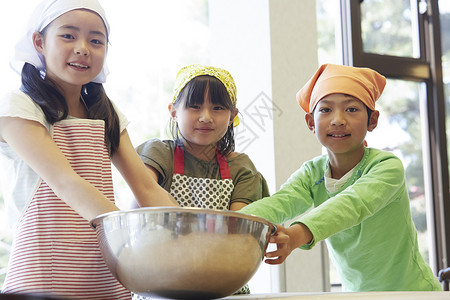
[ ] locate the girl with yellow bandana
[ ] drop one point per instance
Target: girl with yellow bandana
(199, 166)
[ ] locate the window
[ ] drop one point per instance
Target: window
(389, 28)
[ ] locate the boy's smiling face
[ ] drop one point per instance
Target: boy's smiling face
(340, 123)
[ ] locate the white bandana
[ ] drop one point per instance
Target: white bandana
(43, 15)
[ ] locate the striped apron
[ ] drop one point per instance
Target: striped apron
(55, 252)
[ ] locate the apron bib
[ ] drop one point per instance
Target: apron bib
(55, 251)
(201, 192)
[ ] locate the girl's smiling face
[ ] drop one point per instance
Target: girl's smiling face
(74, 47)
(201, 124)
(340, 123)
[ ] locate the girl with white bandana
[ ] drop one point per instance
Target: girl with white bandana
(58, 135)
(199, 166)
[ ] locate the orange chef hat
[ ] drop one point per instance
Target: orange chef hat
(362, 83)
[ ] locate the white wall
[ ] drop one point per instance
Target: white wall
(270, 48)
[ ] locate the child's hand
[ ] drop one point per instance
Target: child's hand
(287, 239)
(282, 240)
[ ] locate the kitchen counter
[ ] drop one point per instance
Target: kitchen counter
(350, 296)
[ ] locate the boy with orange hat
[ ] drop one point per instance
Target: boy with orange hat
(358, 196)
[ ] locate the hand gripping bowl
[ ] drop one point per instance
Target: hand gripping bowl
(182, 253)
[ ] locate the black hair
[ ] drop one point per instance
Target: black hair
(369, 113)
(46, 93)
(194, 94)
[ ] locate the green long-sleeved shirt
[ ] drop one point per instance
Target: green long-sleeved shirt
(367, 224)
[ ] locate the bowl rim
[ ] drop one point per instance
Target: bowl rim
(196, 210)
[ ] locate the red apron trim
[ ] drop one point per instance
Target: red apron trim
(179, 163)
(178, 160)
(223, 165)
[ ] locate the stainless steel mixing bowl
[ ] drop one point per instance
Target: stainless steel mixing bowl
(182, 253)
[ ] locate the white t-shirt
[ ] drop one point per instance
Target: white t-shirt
(333, 185)
(19, 181)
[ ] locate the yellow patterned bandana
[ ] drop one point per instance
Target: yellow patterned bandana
(187, 73)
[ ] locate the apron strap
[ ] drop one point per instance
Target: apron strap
(178, 160)
(179, 163)
(223, 165)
